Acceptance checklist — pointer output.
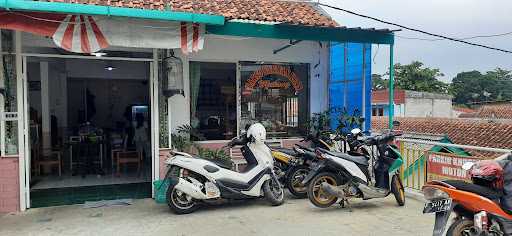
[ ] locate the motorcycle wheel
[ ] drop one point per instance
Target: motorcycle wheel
(316, 195)
(294, 181)
(460, 227)
(273, 192)
(398, 191)
(179, 202)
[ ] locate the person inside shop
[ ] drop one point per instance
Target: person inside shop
(141, 137)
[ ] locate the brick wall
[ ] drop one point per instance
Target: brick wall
(9, 184)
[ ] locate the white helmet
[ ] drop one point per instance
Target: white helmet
(258, 133)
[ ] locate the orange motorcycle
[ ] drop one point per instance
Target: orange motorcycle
(476, 206)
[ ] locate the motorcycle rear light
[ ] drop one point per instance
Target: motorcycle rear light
(432, 193)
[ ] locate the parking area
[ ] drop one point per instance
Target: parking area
(296, 217)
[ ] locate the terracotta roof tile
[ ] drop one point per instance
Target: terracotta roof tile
(493, 111)
(461, 131)
(289, 12)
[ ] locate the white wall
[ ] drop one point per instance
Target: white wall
(425, 107)
(235, 49)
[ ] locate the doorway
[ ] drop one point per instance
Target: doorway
(89, 130)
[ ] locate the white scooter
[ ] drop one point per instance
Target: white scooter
(195, 180)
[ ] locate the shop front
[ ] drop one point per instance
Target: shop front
(90, 102)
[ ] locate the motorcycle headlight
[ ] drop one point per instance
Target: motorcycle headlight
(432, 193)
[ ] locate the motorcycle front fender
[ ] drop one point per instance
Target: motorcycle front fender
(316, 169)
(441, 221)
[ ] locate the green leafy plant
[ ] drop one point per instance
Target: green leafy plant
(192, 132)
(347, 121)
(319, 123)
(214, 154)
(183, 140)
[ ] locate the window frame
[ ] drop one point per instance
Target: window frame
(238, 84)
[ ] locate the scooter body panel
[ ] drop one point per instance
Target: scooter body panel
(351, 167)
(472, 202)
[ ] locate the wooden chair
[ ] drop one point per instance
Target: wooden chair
(48, 158)
(128, 157)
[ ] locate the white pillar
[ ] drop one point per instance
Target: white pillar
(45, 106)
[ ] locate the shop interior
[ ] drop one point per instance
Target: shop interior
(213, 99)
(89, 130)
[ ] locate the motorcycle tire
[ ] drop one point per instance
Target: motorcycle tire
(296, 188)
(398, 190)
(315, 193)
(273, 192)
(459, 226)
(177, 204)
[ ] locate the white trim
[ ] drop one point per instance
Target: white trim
(26, 134)
(80, 57)
(21, 128)
(155, 131)
(2, 106)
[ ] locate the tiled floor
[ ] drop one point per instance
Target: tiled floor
(90, 180)
(78, 195)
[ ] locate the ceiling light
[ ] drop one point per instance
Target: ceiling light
(110, 68)
(99, 54)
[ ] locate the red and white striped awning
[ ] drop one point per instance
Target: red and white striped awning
(88, 34)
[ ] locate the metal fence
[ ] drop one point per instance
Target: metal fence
(416, 154)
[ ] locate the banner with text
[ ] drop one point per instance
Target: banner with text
(443, 166)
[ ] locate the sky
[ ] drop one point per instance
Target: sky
(455, 18)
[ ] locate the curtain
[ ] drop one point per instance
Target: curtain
(195, 80)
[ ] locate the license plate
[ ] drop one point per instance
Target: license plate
(437, 205)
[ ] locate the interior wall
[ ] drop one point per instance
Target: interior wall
(112, 96)
(114, 90)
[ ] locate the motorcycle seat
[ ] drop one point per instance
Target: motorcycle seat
(285, 151)
(221, 164)
(361, 160)
(476, 189)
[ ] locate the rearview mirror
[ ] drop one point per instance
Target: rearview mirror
(468, 165)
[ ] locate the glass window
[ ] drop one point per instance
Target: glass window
(9, 83)
(213, 99)
(277, 95)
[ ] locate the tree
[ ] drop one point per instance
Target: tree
(418, 78)
(378, 82)
(475, 87)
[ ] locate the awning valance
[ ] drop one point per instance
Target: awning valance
(87, 34)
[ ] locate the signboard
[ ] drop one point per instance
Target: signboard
(267, 77)
(443, 166)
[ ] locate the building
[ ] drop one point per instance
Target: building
(461, 112)
(473, 132)
(412, 104)
(491, 111)
(93, 90)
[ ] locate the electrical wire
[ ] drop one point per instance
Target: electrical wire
(376, 52)
(415, 30)
(471, 37)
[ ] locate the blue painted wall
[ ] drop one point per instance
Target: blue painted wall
(346, 79)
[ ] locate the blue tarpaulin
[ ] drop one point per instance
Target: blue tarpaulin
(350, 66)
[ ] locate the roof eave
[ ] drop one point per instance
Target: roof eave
(301, 32)
(74, 8)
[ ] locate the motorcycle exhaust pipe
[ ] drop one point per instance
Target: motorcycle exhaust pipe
(332, 190)
(190, 189)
